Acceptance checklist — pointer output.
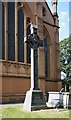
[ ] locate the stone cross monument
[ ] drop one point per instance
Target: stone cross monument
(34, 97)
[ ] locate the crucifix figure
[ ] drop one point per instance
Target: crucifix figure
(34, 97)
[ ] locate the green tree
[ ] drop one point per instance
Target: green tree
(65, 58)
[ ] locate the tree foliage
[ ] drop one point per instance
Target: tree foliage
(65, 58)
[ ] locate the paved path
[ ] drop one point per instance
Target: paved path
(6, 105)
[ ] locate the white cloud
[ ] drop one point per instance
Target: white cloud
(64, 0)
(63, 15)
(63, 18)
(59, 0)
(63, 24)
(68, 20)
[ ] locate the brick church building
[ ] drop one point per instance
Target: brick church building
(15, 54)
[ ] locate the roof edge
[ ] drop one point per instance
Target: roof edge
(49, 9)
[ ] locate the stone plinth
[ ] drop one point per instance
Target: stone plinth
(54, 98)
(67, 100)
(34, 100)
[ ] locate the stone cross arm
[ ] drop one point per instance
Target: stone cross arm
(34, 41)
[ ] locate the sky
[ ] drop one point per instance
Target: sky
(64, 17)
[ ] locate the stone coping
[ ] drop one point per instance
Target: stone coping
(66, 93)
(59, 93)
(55, 92)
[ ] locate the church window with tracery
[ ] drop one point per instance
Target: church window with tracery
(20, 36)
(2, 53)
(11, 31)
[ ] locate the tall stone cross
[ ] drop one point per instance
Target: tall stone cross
(34, 42)
(34, 97)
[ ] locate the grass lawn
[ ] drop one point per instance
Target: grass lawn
(17, 112)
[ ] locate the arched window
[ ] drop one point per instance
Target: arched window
(20, 36)
(46, 39)
(28, 47)
(11, 31)
(44, 11)
(46, 57)
(3, 32)
(47, 43)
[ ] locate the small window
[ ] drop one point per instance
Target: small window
(44, 11)
(46, 58)
(20, 36)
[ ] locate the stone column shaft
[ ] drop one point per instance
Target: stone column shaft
(34, 69)
(36, 86)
